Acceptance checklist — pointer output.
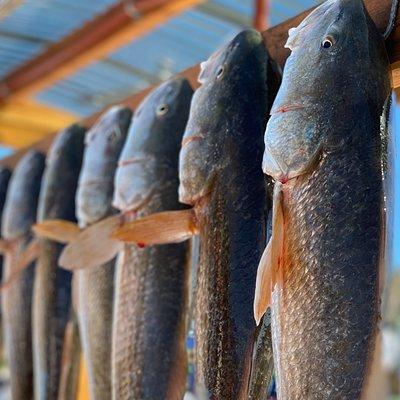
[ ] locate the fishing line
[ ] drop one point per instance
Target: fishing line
(392, 19)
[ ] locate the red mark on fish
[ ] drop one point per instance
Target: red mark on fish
(191, 139)
(129, 161)
(286, 108)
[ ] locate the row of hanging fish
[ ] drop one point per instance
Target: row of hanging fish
(126, 196)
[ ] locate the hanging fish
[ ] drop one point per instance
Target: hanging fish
(95, 287)
(220, 176)
(148, 352)
(323, 148)
(18, 215)
(52, 288)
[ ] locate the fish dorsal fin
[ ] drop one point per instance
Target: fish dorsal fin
(268, 268)
(93, 246)
(57, 229)
(161, 228)
(23, 260)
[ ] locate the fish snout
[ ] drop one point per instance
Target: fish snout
(273, 168)
(125, 200)
(195, 168)
(134, 182)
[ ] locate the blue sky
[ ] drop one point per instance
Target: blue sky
(396, 230)
(5, 151)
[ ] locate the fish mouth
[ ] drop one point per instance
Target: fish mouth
(190, 200)
(195, 200)
(287, 108)
(135, 204)
(194, 138)
(134, 182)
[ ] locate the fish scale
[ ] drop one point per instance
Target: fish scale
(141, 287)
(344, 333)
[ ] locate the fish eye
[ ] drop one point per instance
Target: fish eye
(220, 72)
(114, 135)
(162, 109)
(328, 42)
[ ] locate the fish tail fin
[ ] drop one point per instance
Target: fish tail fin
(92, 246)
(23, 260)
(58, 230)
(161, 228)
(270, 269)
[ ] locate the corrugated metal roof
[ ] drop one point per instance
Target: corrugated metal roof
(181, 42)
(284, 9)
(35, 24)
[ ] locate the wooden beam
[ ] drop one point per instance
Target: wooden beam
(36, 114)
(261, 15)
(96, 39)
(275, 39)
(25, 122)
(83, 384)
(18, 138)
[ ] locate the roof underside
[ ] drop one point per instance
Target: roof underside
(172, 46)
(175, 45)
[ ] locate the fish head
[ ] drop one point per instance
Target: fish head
(63, 163)
(103, 145)
(334, 53)
(22, 196)
(234, 69)
(149, 160)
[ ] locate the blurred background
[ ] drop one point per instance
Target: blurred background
(64, 60)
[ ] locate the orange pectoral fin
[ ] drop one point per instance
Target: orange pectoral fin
(93, 246)
(23, 260)
(58, 230)
(262, 296)
(161, 228)
(269, 266)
